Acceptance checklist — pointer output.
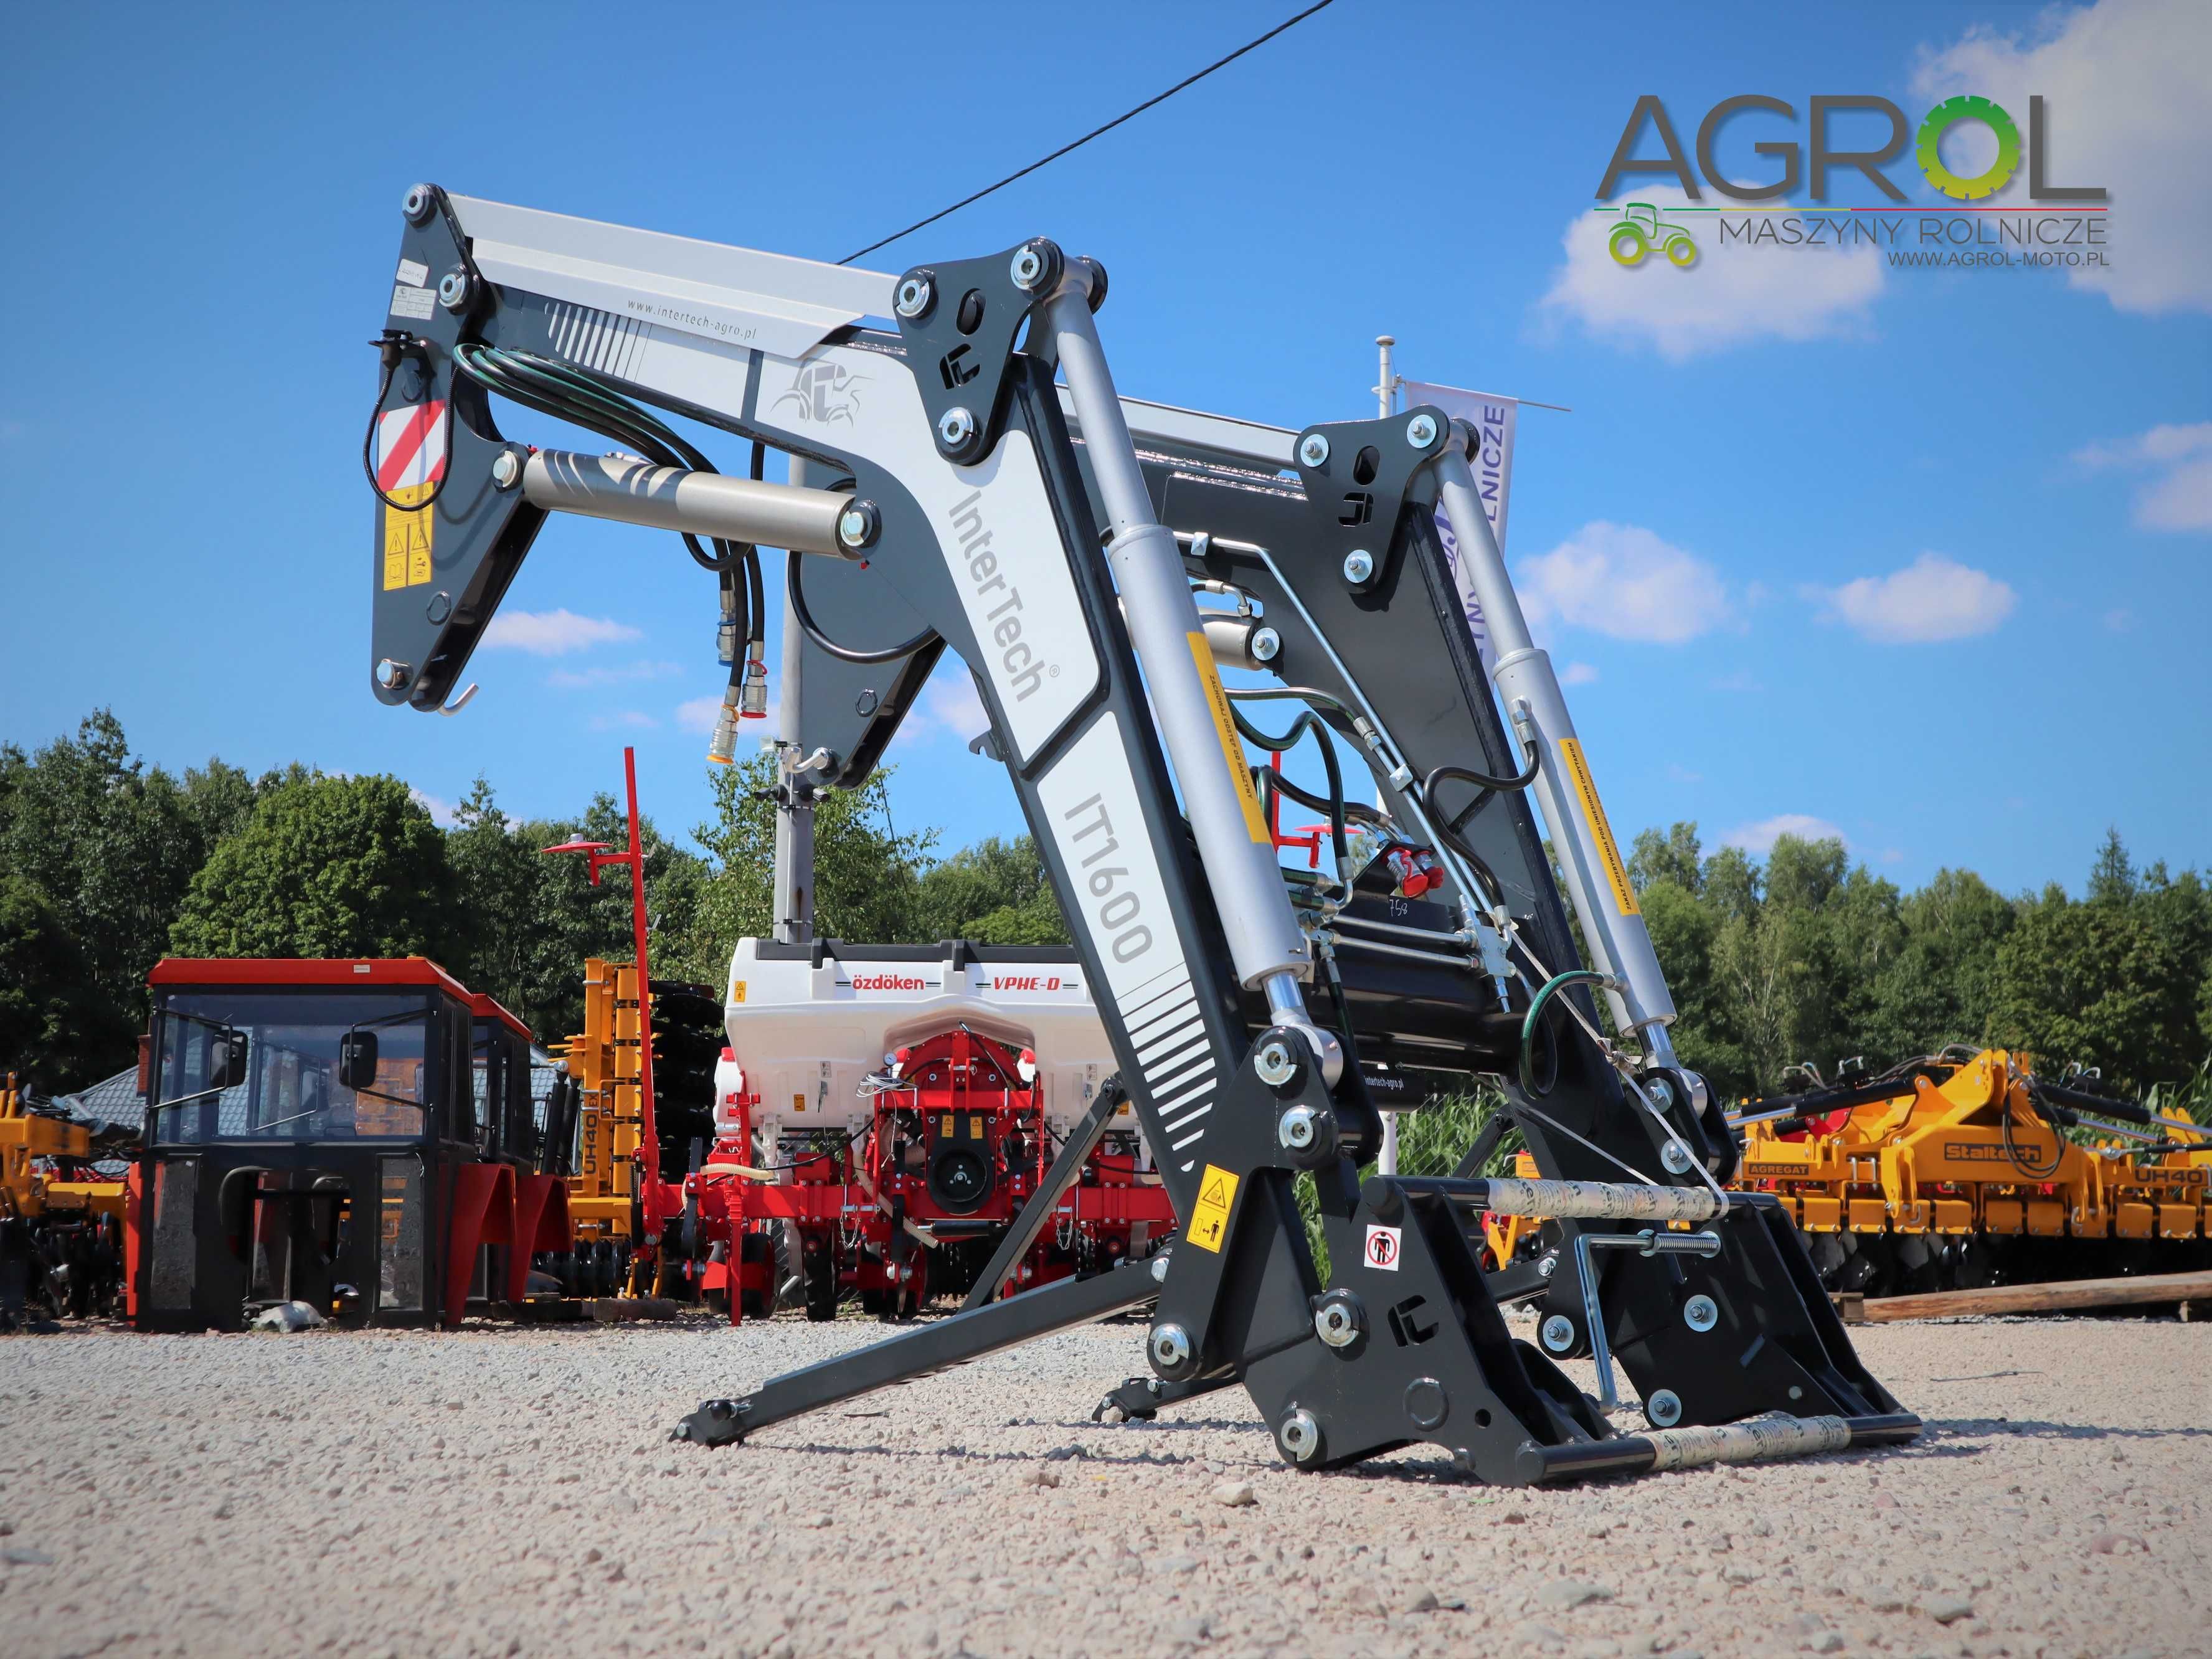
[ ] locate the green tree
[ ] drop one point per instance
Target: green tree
(531, 920)
(1676, 857)
(327, 867)
(867, 874)
(55, 1030)
(995, 892)
(111, 845)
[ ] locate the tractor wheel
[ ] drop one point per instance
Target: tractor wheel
(1626, 245)
(755, 1248)
(1681, 252)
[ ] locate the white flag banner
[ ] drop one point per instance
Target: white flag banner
(1495, 420)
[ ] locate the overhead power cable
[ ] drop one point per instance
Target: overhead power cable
(1126, 115)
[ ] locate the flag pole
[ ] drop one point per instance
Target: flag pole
(1386, 383)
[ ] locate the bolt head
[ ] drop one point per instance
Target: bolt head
(391, 675)
(1170, 1347)
(418, 203)
(1701, 1313)
(1027, 267)
(1558, 1333)
(1266, 645)
(859, 524)
(1313, 450)
(1358, 565)
(1299, 1436)
(453, 289)
(913, 297)
(1664, 1409)
(954, 426)
(1548, 1266)
(1160, 1268)
(1421, 431)
(1662, 1092)
(1674, 1157)
(507, 468)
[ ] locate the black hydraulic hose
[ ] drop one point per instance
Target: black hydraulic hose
(1307, 721)
(1354, 811)
(1486, 787)
(842, 653)
(1802, 1109)
(394, 353)
(571, 395)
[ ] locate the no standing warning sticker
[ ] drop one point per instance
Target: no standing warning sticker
(1382, 1247)
(410, 460)
(1209, 1217)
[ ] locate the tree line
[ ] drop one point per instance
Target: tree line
(108, 864)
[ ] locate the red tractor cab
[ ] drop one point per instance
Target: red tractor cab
(355, 1134)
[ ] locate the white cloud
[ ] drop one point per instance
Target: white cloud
(1739, 681)
(1578, 674)
(625, 720)
(574, 679)
(1683, 773)
(553, 632)
(2180, 496)
(1734, 292)
(948, 705)
(1930, 599)
(441, 810)
(1623, 581)
(2125, 87)
(1758, 839)
(699, 713)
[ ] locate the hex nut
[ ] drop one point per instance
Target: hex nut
(1664, 1409)
(1421, 431)
(1313, 450)
(1558, 1333)
(1358, 565)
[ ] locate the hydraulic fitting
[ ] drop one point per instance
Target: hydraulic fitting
(754, 702)
(725, 631)
(722, 748)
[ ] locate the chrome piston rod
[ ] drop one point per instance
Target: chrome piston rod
(633, 491)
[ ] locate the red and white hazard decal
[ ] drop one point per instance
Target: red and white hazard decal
(411, 446)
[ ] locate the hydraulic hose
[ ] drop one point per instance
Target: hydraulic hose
(796, 589)
(1307, 722)
(1573, 975)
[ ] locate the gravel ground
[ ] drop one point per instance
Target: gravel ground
(511, 1492)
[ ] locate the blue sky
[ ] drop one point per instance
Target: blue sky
(1917, 555)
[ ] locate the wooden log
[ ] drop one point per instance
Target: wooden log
(2066, 1296)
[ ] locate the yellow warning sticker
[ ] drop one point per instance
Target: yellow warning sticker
(407, 539)
(738, 988)
(1608, 851)
(1209, 1217)
(1247, 793)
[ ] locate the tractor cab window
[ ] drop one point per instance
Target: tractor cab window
(489, 1062)
(292, 1065)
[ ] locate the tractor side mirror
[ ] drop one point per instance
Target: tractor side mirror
(357, 1059)
(226, 1056)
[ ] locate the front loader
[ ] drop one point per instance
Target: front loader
(966, 476)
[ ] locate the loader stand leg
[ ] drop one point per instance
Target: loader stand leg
(1038, 1211)
(920, 1352)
